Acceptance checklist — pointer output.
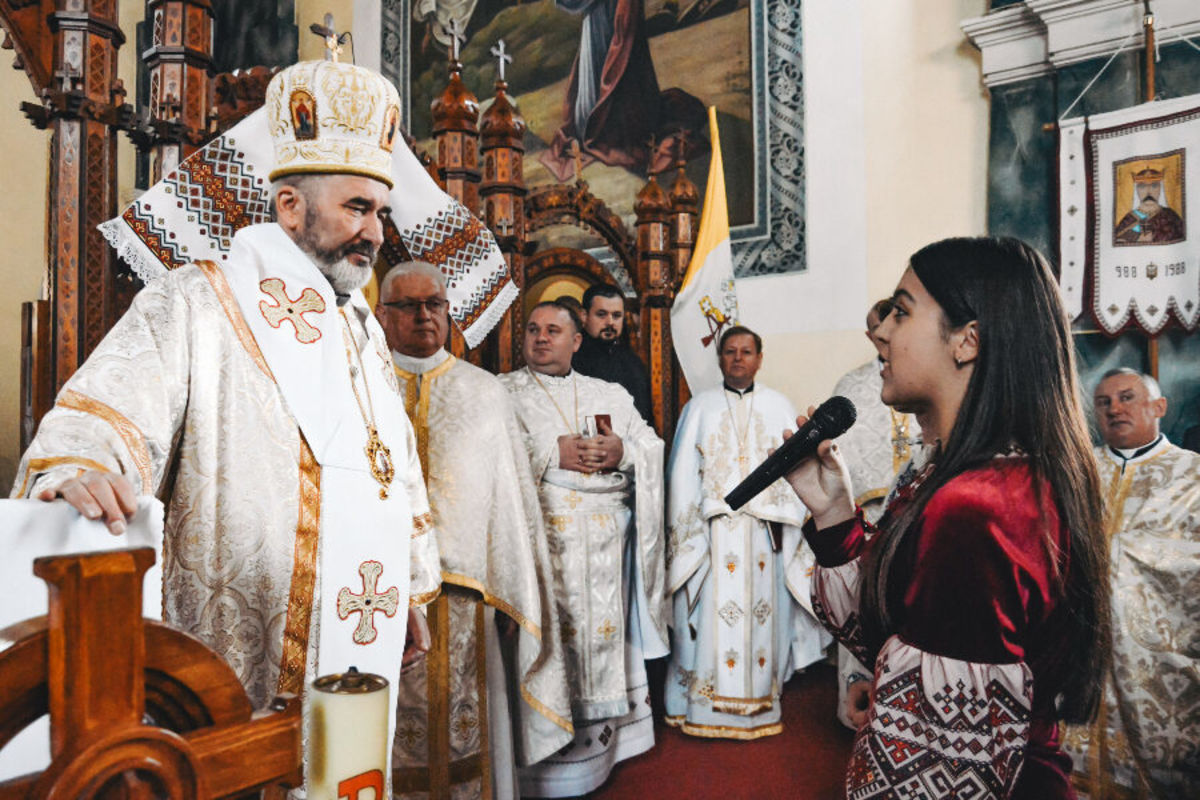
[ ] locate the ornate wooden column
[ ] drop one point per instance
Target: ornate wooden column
(503, 189)
(655, 284)
(455, 120)
(180, 63)
(685, 205)
(69, 50)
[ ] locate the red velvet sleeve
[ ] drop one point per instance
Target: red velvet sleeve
(982, 570)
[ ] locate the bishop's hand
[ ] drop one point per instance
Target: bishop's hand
(823, 483)
(416, 640)
(98, 495)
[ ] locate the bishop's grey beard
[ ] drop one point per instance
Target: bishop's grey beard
(335, 265)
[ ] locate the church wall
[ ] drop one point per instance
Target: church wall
(313, 47)
(23, 232)
(896, 150)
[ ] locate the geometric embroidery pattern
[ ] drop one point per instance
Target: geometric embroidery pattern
(762, 611)
(731, 612)
(960, 731)
(216, 191)
(455, 240)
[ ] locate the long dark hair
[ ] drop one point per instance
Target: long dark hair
(1023, 393)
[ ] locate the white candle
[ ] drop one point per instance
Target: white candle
(347, 737)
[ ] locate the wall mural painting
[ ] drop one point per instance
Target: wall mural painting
(617, 88)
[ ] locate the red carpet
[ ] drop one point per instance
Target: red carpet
(806, 762)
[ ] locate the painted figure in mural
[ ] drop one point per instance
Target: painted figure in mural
(1151, 221)
(614, 105)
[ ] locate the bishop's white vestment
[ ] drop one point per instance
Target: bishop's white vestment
(1146, 740)
(743, 620)
(606, 552)
(240, 393)
(455, 735)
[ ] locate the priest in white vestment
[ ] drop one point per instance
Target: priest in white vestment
(740, 579)
(599, 472)
(460, 731)
(1146, 740)
(878, 446)
(257, 398)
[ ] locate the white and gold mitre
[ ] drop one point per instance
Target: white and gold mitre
(330, 117)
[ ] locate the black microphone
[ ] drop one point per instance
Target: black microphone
(833, 418)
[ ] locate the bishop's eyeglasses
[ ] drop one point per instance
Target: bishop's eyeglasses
(434, 305)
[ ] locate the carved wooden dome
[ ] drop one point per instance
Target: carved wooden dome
(457, 109)
(502, 125)
(684, 194)
(652, 200)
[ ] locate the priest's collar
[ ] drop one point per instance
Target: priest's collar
(1125, 455)
(419, 366)
(551, 380)
(740, 392)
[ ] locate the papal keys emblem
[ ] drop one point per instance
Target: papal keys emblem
(367, 603)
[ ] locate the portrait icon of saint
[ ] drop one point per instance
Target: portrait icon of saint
(303, 115)
(391, 125)
(1151, 193)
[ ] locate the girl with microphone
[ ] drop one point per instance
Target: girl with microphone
(981, 597)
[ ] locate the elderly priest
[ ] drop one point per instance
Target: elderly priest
(257, 396)
(599, 472)
(456, 735)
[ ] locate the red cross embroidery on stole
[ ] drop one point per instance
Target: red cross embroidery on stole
(291, 310)
(367, 603)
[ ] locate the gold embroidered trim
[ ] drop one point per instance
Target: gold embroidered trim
(131, 435)
(39, 465)
(742, 706)
(481, 691)
(724, 731)
(416, 404)
(508, 609)
(415, 600)
(304, 574)
(437, 682)
(233, 312)
(545, 711)
(422, 524)
(867, 497)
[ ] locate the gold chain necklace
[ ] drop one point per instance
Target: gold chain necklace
(379, 457)
(740, 436)
(572, 429)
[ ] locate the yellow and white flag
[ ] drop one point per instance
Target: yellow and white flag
(707, 301)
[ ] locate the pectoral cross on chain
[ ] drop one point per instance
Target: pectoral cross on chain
(502, 58)
(367, 603)
(333, 41)
(293, 311)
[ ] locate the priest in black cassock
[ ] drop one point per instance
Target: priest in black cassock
(604, 354)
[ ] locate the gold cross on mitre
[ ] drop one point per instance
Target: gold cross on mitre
(333, 40)
(502, 58)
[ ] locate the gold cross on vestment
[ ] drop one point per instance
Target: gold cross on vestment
(291, 310)
(606, 630)
(367, 603)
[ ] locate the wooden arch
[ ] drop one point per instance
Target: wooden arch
(575, 205)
